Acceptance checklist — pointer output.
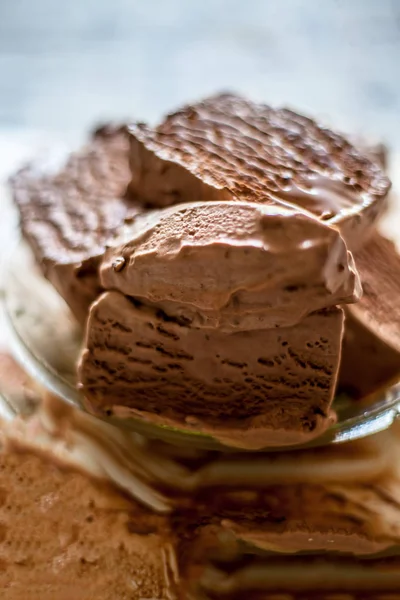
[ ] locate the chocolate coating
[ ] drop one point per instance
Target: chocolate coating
(227, 148)
(249, 389)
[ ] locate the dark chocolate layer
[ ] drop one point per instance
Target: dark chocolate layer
(228, 148)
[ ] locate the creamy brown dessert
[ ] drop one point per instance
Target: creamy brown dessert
(70, 207)
(227, 148)
(371, 346)
(276, 390)
(232, 265)
(222, 272)
(214, 260)
(229, 265)
(216, 264)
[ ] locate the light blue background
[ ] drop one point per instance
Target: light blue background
(65, 64)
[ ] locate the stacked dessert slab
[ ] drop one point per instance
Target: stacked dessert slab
(216, 264)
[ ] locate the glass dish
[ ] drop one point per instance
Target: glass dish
(46, 340)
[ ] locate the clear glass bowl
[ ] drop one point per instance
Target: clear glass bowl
(46, 340)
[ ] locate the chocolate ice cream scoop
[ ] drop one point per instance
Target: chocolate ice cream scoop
(233, 265)
(69, 208)
(250, 389)
(227, 148)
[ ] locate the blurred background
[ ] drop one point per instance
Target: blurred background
(64, 65)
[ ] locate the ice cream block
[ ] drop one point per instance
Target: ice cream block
(228, 148)
(70, 206)
(232, 292)
(232, 265)
(248, 388)
(371, 346)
